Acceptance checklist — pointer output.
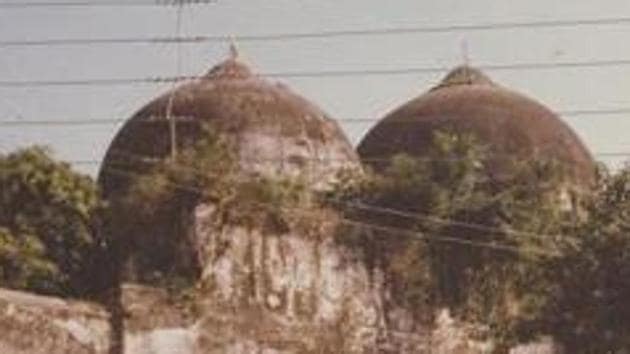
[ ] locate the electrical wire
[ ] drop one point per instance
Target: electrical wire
(285, 36)
(376, 227)
(113, 121)
(29, 122)
(98, 3)
(317, 74)
(620, 154)
(360, 206)
(439, 220)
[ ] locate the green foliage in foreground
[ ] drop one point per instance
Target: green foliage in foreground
(491, 248)
(46, 212)
(152, 222)
(589, 286)
(509, 253)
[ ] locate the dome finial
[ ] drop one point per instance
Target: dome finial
(231, 68)
(233, 48)
(465, 54)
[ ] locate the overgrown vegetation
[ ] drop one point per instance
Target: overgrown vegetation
(46, 209)
(481, 241)
(509, 252)
(152, 222)
(589, 286)
(512, 253)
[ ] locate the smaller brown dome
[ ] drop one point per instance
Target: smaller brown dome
(466, 101)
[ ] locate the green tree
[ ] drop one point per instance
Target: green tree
(588, 309)
(150, 223)
(147, 225)
(480, 240)
(46, 211)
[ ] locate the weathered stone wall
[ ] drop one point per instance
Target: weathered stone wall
(293, 292)
(304, 282)
(31, 324)
(158, 323)
(306, 287)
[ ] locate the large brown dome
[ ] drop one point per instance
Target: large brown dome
(466, 101)
(271, 130)
(275, 130)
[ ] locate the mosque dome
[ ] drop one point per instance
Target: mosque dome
(510, 124)
(271, 130)
(275, 130)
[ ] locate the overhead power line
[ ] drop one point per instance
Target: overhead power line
(440, 220)
(317, 74)
(367, 207)
(61, 122)
(320, 34)
(620, 154)
(375, 227)
(537, 251)
(324, 160)
(85, 162)
(114, 121)
(98, 3)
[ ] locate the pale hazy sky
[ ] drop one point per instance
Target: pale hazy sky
(561, 89)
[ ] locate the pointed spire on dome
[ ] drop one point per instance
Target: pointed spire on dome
(232, 68)
(464, 75)
(465, 55)
(233, 48)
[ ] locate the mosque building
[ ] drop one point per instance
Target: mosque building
(273, 130)
(270, 130)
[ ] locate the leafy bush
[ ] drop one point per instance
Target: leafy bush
(465, 252)
(151, 222)
(589, 287)
(46, 210)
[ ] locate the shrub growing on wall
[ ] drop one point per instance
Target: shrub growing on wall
(589, 287)
(450, 233)
(150, 225)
